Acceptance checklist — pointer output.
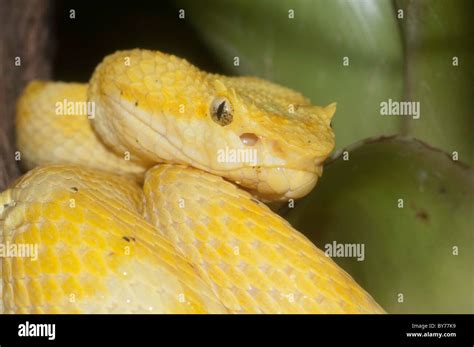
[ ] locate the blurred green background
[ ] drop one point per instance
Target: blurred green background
(357, 53)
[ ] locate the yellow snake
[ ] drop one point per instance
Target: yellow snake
(133, 211)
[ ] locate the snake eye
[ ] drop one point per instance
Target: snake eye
(221, 111)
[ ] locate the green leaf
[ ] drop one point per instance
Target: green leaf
(306, 53)
(439, 39)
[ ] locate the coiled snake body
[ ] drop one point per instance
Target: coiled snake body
(133, 210)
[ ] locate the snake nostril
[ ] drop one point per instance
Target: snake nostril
(249, 139)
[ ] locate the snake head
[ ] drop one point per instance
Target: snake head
(262, 136)
(273, 140)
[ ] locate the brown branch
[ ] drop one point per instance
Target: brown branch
(25, 32)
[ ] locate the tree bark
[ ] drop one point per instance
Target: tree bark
(25, 33)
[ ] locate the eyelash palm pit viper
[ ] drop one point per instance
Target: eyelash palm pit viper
(132, 211)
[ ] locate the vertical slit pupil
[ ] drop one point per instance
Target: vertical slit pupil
(220, 110)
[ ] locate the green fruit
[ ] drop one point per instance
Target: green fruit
(411, 206)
